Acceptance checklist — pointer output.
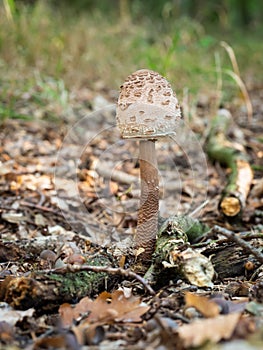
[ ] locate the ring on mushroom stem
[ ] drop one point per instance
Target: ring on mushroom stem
(147, 110)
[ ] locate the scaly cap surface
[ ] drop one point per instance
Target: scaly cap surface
(147, 107)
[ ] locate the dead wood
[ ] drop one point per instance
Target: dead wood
(46, 290)
(109, 271)
(233, 256)
(229, 260)
(232, 156)
(174, 258)
(243, 244)
(119, 176)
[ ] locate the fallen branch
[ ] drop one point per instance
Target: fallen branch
(40, 207)
(104, 170)
(234, 238)
(109, 270)
(232, 156)
(46, 289)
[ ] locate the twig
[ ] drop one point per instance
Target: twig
(197, 210)
(201, 241)
(109, 270)
(233, 237)
(40, 207)
(249, 235)
(107, 172)
(41, 199)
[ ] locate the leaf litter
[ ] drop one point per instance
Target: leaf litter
(107, 308)
(37, 240)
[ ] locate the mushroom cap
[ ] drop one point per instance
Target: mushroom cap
(147, 107)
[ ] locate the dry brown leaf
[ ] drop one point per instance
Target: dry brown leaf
(107, 308)
(215, 329)
(6, 332)
(257, 190)
(32, 182)
(87, 334)
(57, 341)
(67, 314)
(114, 187)
(207, 307)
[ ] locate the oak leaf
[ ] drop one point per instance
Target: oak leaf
(212, 329)
(206, 306)
(106, 308)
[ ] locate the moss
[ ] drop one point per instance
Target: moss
(79, 284)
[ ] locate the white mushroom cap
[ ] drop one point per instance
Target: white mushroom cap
(147, 107)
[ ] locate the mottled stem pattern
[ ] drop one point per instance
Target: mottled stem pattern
(149, 202)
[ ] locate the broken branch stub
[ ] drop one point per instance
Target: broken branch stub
(233, 156)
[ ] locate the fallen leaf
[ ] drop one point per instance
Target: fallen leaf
(13, 316)
(6, 332)
(229, 306)
(197, 268)
(89, 334)
(257, 190)
(215, 329)
(57, 341)
(6, 168)
(107, 308)
(40, 220)
(113, 186)
(207, 307)
(14, 218)
(67, 314)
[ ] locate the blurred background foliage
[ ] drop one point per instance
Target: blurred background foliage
(96, 44)
(226, 13)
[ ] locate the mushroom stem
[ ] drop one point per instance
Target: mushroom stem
(149, 203)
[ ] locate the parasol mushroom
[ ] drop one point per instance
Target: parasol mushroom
(147, 110)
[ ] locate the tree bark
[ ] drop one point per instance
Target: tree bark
(232, 156)
(46, 291)
(173, 258)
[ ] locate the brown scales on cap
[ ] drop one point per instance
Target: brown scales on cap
(147, 106)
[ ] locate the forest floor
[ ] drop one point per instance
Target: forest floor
(69, 196)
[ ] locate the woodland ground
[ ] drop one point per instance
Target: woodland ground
(61, 208)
